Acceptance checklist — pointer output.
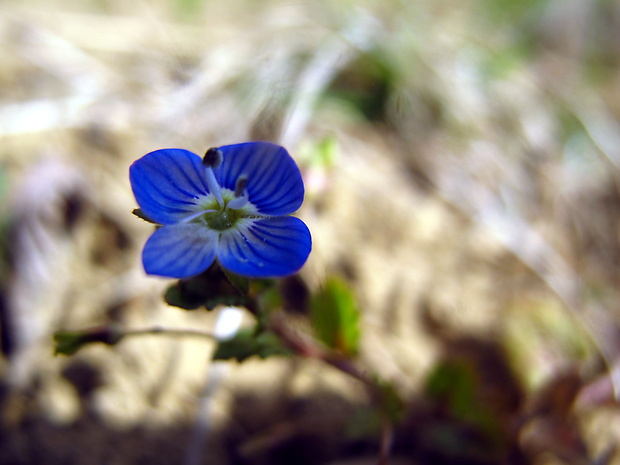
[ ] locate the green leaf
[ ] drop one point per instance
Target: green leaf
(209, 289)
(241, 283)
(248, 343)
(177, 296)
(335, 317)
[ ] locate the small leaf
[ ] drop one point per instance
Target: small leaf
(335, 317)
(140, 214)
(70, 342)
(176, 296)
(248, 343)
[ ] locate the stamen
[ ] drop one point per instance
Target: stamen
(241, 195)
(213, 159)
(238, 202)
(196, 215)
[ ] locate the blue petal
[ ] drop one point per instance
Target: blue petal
(167, 184)
(265, 247)
(180, 250)
(275, 185)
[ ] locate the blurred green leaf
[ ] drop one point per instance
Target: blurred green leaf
(323, 153)
(364, 423)
(453, 383)
(268, 296)
(512, 10)
(248, 343)
(335, 317)
(457, 387)
(241, 283)
(68, 343)
(176, 296)
(365, 85)
(209, 289)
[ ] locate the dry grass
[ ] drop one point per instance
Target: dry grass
(474, 196)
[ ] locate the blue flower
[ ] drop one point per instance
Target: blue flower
(232, 206)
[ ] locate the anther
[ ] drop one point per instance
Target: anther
(241, 185)
(213, 158)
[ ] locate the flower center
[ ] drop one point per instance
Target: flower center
(226, 207)
(222, 219)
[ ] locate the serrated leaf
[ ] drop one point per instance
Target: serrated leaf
(248, 343)
(335, 317)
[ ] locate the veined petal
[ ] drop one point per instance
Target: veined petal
(167, 183)
(180, 250)
(265, 247)
(274, 186)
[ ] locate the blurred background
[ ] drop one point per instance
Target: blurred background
(461, 160)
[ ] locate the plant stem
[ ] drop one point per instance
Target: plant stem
(169, 332)
(306, 347)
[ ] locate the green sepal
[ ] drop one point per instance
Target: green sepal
(140, 214)
(248, 343)
(335, 317)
